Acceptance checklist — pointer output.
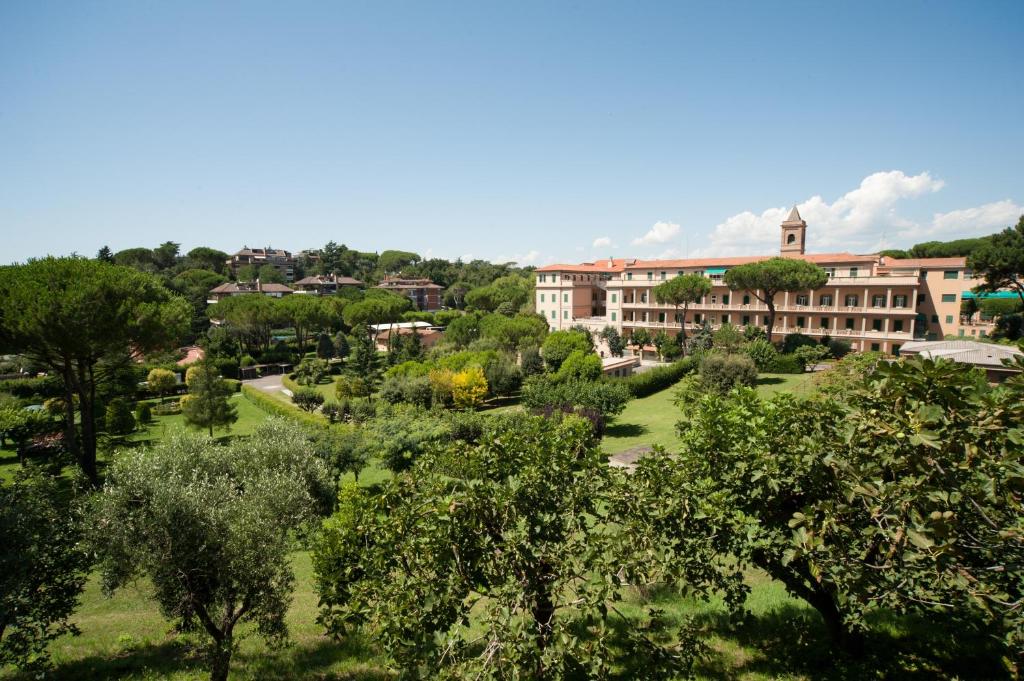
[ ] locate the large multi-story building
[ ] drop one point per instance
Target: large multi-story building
(425, 294)
(874, 302)
(280, 260)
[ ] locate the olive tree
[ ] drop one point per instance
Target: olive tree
(211, 526)
(767, 278)
(43, 567)
(510, 531)
(71, 315)
(681, 292)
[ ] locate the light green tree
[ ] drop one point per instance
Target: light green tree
(208, 403)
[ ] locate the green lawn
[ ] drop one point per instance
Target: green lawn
(652, 420)
(249, 416)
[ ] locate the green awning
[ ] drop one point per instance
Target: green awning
(714, 270)
(997, 294)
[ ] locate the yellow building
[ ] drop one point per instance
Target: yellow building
(874, 302)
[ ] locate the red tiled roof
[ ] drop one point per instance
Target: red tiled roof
(613, 265)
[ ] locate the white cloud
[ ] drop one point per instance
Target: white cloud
(862, 220)
(659, 233)
(530, 258)
(602, 242)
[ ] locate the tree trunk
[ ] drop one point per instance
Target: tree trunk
(220, 659)
(682, 330)
(70, 435)
(87, 408)
(770, 302)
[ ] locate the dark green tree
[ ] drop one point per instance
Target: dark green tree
(1000, 261)
(681, 292)
(208, 403)
(767, 278)
(324, 347)
(70, 314)
(105, 255)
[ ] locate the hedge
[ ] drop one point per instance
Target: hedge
(276, 408)
(657, 379)
(47, 386)
(289, 382)
(787, 364)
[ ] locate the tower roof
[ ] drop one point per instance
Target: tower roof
(794, 215)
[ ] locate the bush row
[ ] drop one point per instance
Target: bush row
(657, 379)
(272, 406)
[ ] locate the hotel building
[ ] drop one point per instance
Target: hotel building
(872, 301)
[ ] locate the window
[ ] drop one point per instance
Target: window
(899, 301)
(565, 314)
(876, 324)
(825, 323)
(725, 319)
(542, 278)
(802, 300)
(921, 298)
(935, 319)
(830, 271)
(746, 319)
(696, 318)
(951, 274)
(725, 298)
(984, 333)
(897, 325)
(949, 319)
(764, 320)
(791, 239)
(553, 314)
(615, 297)
(960, 332)
(565, 297)
(746, 300)
(877, 301)
(613, 316)
(629, 276)
(663, 276)
(799, 322)
(875, 347)
(643, 297)
(711, 319)
(825, 301)
(542, 297)
(650, 276)
(854, 271)
(678, 317)
(661, 317)
(851, 300)
(849, 323)
(896, 350)
(949, 297)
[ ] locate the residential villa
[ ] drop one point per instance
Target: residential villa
(874, 302)
(325, 284)
(425, 294)
(235, 288)
(280, 260)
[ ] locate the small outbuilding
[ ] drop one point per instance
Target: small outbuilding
(987, 356)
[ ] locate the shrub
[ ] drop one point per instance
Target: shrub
(469, 388)
(763, 353)
(839, 348)
(227, 366)
(274, 406)
(580, 365)
(560, 344)
(591, 416)
(118, 418)
(722, 373)
(307, 399)
(412, 390)
(362, 410)
(335, 412)
(349, 386)
(503, 376)
(530, 361)
(311, 371)
(144, 414)
(607, 397)
(658, 378)
(787, 364)
(811, 354)
(792, 341)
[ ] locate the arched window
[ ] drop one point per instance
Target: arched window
(791, 239)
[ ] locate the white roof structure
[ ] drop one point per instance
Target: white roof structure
(401, 325)
(968, 352)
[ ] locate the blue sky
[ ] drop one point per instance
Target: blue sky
(531, 131)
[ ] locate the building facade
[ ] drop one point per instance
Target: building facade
(874, 302)
(325, 284)
(233, 288)
(425, 294)
(280, 260)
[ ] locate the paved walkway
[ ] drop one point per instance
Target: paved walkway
(268, 384)
(628, 458)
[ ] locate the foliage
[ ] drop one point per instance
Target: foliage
(363, 360)
(75, 315)
(530, 361)
(639, 338)
(345, 449)
(1000, 261)
(349, 385)
(839, 348)
(763, 353)
(728, 338)
(848, 373)
(43, 568)
(681, 292)
(703, 339)
(207, 404)
(657, 379)
(511, 529)
(787, 364)
(252, 318)
(513, 290)
(765, 279)
(607, 397)
(580, 366)
(311, 371)
(308, 399)
(511, 333)
(223, 516)
(401, 437)
(341, 345)
(616, 344)
(469, 388)
(414, 390)
(721, 373)
(118, 418)
(1010, 327)
(144, 413)
(560, 344)
(792, 341)
(812, 354)
(379, 308)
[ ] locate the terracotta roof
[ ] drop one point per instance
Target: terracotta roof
(743, 260)
(276, 288)
(319, 279)
(609, 265)
(924, 262)
(226, 287)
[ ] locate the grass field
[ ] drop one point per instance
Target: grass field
(652, 420)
